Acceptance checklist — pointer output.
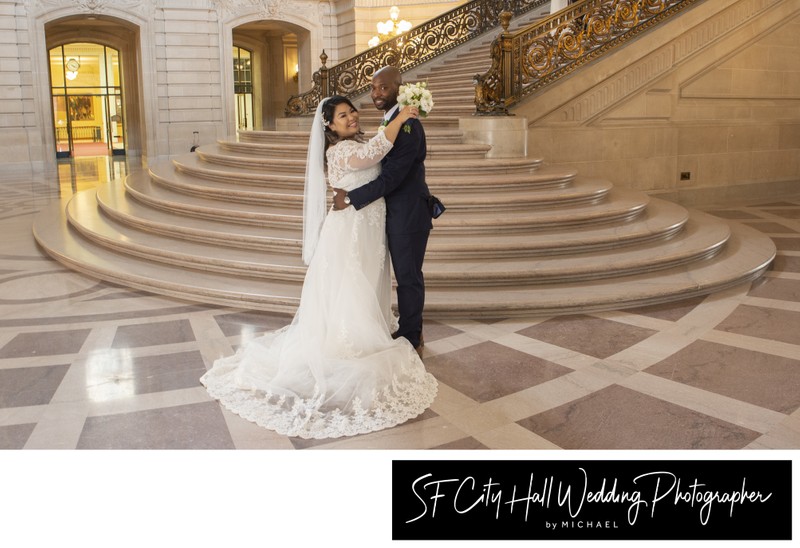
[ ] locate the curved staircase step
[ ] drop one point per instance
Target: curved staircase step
(148, 192)
(745, 257)
(432, 135)
(660, 220)
(453, 151)
(192, 165)
(192, 170)
(581, 191)
(212, 154)
(267, 194)
(52, 232)
(702, 237)
(540, 178)
(128, 240)
(620, 205)
(117, 204)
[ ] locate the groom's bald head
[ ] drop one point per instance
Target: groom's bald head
(385, 87)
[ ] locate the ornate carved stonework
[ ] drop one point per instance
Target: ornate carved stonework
(141, 8)
(268, 9)
(90, 6)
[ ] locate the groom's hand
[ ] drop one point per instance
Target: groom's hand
(338, 199)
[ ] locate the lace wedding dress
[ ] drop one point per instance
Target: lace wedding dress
(335, 370)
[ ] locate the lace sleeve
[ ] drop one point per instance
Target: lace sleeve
(351, 155)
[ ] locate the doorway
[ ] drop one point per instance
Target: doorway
(86, 89)
(243, 87)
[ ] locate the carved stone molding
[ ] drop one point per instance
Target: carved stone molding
(94, 7)
(270, 9)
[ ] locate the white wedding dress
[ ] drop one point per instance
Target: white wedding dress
(335, 370)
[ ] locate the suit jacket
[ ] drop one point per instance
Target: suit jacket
(401, 183)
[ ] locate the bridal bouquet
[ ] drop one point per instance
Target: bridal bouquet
(416, 95)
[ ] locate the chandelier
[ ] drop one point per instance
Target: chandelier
(390, 28)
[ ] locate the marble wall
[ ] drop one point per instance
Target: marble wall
(703, 109)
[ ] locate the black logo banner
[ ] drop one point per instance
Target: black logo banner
(591, 500)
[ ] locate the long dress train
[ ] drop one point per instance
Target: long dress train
(335, 370)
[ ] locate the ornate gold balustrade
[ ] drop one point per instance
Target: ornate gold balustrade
(420, 44)
(527, 60)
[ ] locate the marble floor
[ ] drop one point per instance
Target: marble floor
(88, 365)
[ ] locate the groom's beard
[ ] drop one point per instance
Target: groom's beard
(387, 104)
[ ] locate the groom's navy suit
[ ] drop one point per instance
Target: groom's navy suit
(408, 220)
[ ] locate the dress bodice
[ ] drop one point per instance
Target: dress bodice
(352, 163)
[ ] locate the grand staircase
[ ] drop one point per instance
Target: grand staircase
(223, 225)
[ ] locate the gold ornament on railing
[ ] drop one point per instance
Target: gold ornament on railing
(531, 58)
(420, 44)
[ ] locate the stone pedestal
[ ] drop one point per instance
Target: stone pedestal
(508, 135)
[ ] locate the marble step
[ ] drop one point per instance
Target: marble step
(745, 257)
(620, 205)
(449, 80)
(297, 151)
(148, 192)
(190, 165)
(583, 190)
(212, 154)
(435, 135)
(660, 220)
(225, 190)
(542, 190)
(458, 67)
(702, 237)
(537, 193)
(52, 231)
(115, 203)
(124, 238)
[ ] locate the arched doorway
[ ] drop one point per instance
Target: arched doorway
(86, 89)
(95, 86)
(266, 54)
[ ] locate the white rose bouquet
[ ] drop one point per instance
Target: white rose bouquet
(416, 95)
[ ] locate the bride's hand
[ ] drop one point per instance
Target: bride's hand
(408, 112)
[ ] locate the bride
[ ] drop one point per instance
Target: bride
(335, 370)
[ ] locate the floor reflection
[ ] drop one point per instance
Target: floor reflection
(76, 174)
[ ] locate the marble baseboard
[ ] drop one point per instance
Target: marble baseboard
(732, 195)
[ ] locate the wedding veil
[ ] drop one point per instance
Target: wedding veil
(315, 193)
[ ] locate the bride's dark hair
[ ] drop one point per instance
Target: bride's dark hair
(331, 138)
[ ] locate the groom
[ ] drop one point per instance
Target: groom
(408, 217)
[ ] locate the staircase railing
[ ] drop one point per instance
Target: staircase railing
(420, 44)
(527, 60)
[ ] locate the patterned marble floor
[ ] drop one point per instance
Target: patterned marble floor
(88, 365)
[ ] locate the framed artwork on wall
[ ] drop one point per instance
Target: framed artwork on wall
(81, 108)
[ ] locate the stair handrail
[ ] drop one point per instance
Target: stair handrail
(422, 43)
(533, 57)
